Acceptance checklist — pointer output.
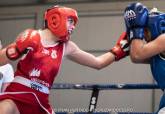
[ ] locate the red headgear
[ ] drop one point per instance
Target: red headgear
(56, 19)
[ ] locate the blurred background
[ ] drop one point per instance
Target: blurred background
(100, 24)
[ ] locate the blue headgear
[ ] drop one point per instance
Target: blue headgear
(156, 24)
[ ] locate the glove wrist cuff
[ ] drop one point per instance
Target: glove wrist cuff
(115, 50)
(136, 33)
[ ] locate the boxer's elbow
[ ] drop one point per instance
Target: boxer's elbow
(98, 66)
(102, 64)
(136, 57)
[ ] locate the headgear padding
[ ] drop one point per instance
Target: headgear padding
(56, 20)
(156, 24)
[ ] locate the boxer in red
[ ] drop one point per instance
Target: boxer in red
(40, 53)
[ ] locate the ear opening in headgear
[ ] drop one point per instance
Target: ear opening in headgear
(45, 20)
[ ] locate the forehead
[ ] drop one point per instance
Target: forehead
(70, 18)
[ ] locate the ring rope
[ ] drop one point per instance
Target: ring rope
(104, 86)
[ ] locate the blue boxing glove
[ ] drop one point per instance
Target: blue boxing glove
(135, 16)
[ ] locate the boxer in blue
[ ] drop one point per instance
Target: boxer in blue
(146, 33)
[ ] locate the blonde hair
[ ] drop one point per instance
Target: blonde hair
(155, 10)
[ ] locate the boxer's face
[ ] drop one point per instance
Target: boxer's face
(70, 25)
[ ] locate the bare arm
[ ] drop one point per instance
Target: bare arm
(75, 54)
(140, 51)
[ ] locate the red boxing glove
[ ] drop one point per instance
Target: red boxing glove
(121, 49)
(12, 53)
(29, 39)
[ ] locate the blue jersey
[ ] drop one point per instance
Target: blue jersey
(158, 69)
